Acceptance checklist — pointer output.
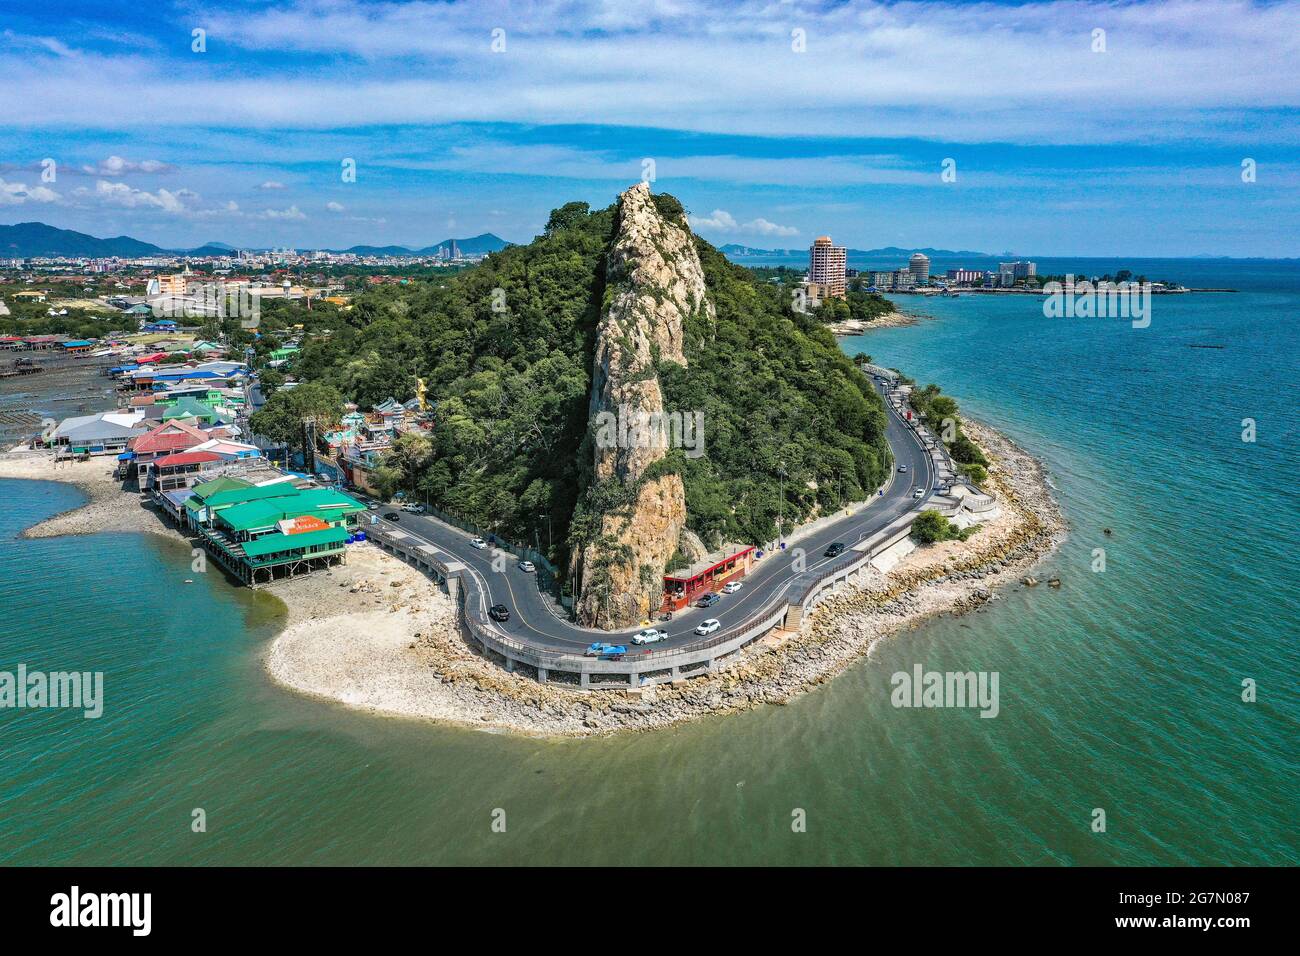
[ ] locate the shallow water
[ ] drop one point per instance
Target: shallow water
(1120, 691)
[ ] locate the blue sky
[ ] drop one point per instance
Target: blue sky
(774, 122)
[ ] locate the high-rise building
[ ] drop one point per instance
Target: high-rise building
(919, 266)
(1009, 272)
(826, 266)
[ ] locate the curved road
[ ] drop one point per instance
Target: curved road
(535, 618)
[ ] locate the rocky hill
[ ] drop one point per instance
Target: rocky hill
(615, 393)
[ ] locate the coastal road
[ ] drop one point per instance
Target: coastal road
(536, 619)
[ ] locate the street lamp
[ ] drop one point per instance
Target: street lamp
(780, 505)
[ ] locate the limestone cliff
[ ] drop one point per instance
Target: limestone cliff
(654, 281)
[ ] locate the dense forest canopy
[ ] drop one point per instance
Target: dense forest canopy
(506, 352)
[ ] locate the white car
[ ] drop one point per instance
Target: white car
(478, 543)
(902, 469)
(918, 493)
(413, 509)
(650, 636)
(708, 627)
(731, 587)
(527, 567)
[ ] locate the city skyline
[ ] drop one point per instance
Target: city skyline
(462, 120)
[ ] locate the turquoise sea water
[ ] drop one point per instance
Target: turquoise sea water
(1120, 691)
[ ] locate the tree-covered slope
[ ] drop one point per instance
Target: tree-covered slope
(506, 351)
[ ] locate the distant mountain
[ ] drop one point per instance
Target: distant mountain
(211, 249)
(473, 246)
(33, 239)
(27, 239)
(733, 249)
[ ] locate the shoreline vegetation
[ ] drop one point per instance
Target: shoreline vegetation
(378, 635)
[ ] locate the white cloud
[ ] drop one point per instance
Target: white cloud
(117, 166)
(120, 194)
(762, 227)
(15, 194)
(334, 206)
(293, 212)
(965, 72)
(722, 221)
(271, 184)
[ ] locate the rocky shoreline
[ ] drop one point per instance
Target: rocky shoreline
(891, 321)
(377, 635)
(419, 665)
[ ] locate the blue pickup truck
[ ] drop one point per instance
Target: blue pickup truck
(606, 652)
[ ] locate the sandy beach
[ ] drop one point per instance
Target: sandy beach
(386, 640)
(110, 508)
(377, 635)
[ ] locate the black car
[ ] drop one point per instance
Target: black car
(499, 612)
(835, 550)
(393, 516)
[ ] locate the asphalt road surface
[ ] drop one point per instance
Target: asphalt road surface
(535, 618)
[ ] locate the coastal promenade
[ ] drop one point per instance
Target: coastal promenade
(781, 588)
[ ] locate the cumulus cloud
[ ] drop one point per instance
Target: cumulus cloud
(120, 194)
(117, 166)
(334, 206)
(15, 194)
(293, 212)
(722, 221)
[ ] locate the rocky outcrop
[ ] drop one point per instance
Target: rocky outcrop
(654, 282)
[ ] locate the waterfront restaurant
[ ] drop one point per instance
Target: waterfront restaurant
(686, 585)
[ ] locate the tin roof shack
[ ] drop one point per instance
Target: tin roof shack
(263, 532)
(683, 586)
(107, 433)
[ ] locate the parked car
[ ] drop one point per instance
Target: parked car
(527, 567)
(596, 649)
(413, 509)
(499, 612)
(650, 635)
(373, 506)
(731, 587)
(478, 543)
(834, 550)
(393, 516)
(708, 600)
(708, 627)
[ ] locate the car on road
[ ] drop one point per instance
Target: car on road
(373, 506)
(413, 509)
(708, 600)
(835, 550)
(708, 627)
(731, 587)
(918, 492)
(527, 567)
(650, 635)
(499, 612)
(392, 516)
(902, 469)
(478, 543)
(597, 648)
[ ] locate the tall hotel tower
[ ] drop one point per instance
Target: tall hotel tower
(826, 264)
